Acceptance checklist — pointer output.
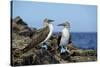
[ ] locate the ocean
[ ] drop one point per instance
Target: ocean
(84, 40)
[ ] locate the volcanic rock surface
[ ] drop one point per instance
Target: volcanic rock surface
(21, 37)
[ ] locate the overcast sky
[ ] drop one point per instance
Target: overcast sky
(83, 18)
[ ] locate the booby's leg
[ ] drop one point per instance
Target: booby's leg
(67, 50)
(62, 50)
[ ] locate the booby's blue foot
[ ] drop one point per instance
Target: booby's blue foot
(45, 46)
(62, 50)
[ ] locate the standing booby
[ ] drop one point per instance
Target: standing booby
(64, 38)
(41, 36)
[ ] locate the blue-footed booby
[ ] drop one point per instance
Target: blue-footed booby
(65, 37)
(41, 35)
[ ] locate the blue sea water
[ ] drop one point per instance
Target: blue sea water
(84, 40)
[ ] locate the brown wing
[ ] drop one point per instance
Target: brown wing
(37, 39)
(59, 38)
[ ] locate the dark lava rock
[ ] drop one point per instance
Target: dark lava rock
(45, 57)
(39, 57)
(21, 27)
(65, 56)
(21, 37)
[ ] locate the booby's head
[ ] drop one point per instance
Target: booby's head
(65, 24)
(47, 21)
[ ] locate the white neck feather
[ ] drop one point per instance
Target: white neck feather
(65, 31)
(65, 36)
(50, 33)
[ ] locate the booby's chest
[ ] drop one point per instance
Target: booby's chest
(65, 37)
(65, 33)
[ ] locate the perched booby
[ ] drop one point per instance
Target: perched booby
(64, 38)
(41, 35)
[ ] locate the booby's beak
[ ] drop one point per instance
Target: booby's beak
(66, 24)
(60, 25)
(49, 21)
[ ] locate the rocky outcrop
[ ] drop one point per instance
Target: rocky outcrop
(21, 27)
(21, 37)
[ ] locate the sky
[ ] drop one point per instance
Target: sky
(82, 18)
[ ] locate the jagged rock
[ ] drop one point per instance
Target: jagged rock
(71, 47)
(81, 52)
(19, 42)
(45, 57)
(53, 44)
(83, 58)
(18, 20)
(21, 34)
(20, 27)
(18, 24)
(41, 56)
